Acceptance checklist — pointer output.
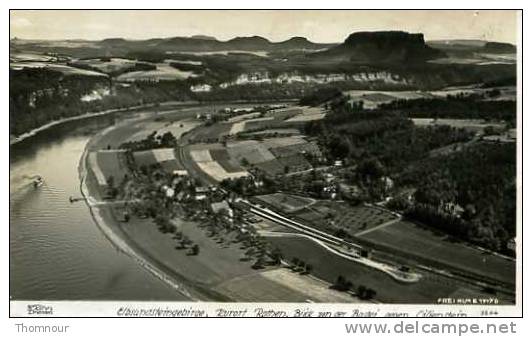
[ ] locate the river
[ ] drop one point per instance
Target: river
(57, 252)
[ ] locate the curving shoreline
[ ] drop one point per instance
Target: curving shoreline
(216, 274)
(123, 243)
(33, 132)
(17, 139)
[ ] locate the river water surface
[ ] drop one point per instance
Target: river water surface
(57, 252)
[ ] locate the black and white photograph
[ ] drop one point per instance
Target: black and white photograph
(365, 159)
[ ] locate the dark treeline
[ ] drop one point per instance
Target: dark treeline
(357, 136)
(138, 66)
(256, 92)
(458, 106)
(187, 66)
(39, 96)
(152, 141)
(481, 179)
(320, 96)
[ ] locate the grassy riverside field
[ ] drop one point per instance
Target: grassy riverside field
(384, 230)
(328, 266)
(415, 240)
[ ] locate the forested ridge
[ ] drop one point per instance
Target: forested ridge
(469, 192)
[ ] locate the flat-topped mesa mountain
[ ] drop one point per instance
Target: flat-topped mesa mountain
(381, 47)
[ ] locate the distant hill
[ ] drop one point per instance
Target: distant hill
(456, 44)
(113, 41)
(499, 48)
(480, 46)
(298, 42)
(248, 43)
(381, 47)
(203, 37)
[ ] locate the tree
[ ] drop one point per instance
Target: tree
(194, 250)
(361, 291)
(308, 268)
(365, 293)
(259, 263)
(295, 262)
(342, 284)
(277, 256)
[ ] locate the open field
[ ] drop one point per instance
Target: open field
(332, 216)
(213, 132)
(29, 57)
(480, 59)
(250, 124)
(308, 114)
(219, 267)
(282, 285)
(108, 164)
(283, 165)
(253, 151)
(112, 65)
(164, 72)
(218, 166)
(222, 157)
(283, 141)
(177, 128)
(165, 157)
(329, 266)
(224, 52)
(237, 128)
(62, 68)
(201, 155)
(295, 149)
(217, 171)
(276, 131)
(214, 263)
(475, 125)
(286, 202)
(243, 117)
(329, 215)
(93, 162)
(372, 98)
(259, 123)
(413, 239)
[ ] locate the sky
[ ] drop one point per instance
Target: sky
(275, 25)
